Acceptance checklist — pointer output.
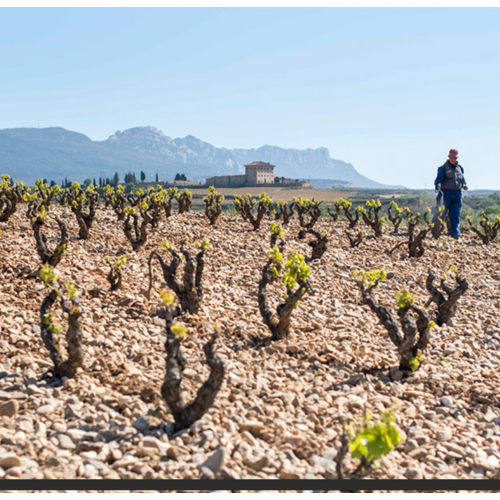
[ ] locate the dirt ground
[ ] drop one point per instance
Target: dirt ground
(277, 193)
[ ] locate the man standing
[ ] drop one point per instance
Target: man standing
(450, 180)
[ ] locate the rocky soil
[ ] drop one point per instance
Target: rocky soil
(283, 405)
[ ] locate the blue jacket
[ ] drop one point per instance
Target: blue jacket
(440, 179)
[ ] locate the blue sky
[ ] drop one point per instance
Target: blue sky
(388, 90)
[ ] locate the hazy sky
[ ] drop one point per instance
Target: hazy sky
(388, 90)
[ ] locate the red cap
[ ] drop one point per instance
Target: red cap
(453, 153)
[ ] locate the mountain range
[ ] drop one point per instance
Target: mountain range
(55, 153)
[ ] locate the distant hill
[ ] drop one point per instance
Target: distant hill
(55, 153)
(305, 164)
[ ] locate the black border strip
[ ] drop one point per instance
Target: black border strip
(251, 484)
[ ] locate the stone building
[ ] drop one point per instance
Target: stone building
(257, 172)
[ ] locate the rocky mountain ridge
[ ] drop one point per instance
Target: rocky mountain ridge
(55, 153)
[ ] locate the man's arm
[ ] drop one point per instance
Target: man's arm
(464, 182)
(440, 178)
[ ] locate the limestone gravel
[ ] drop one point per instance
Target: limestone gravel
(283, 405)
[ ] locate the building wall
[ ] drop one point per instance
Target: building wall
(227, 181)
(251, 175)
(259, 174)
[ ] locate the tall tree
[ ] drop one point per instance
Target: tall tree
(143, 176)
(130, 178)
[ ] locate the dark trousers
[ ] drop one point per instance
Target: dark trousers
(452, 201)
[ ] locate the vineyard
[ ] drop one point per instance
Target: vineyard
(142, 339)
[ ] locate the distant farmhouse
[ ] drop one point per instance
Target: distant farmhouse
(257, 173)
